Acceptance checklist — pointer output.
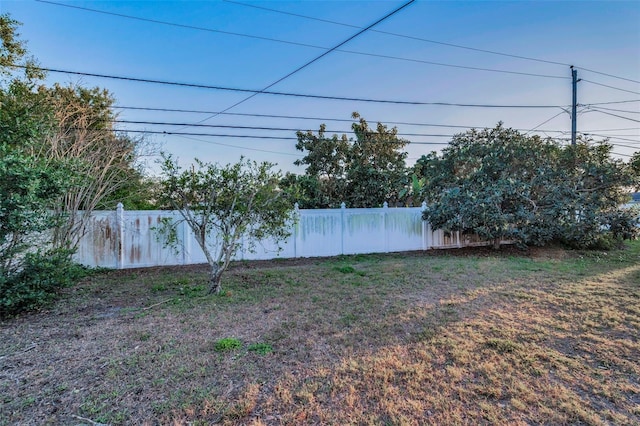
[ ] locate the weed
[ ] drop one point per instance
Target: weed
(156, 288)
(346, 269)
(28, 401)
(227, 344)
(260, 348)
(180, 282)
(502, 345)
(348, 319)
(191, 291)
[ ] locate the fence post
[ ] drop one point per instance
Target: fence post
(120, 236)
(296, 221)
(425, 231)
(186, 243)
(343, 207)
(385, 213)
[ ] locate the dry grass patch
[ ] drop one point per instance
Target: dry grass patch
(470, 337)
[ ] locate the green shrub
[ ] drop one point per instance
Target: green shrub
(345, 269)
(227, 344)
(261, 348)
(38, 282)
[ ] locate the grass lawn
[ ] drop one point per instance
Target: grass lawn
(445, 338)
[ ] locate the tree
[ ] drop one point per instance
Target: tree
(324, 182)
(304, 190)
(58, 156)
(362, 172)
(376, 167)
(591, 186)
(29, 189)
(31, 273)
(221, 205)
(71, 124)
(501, 184)
(634, 164)
(107, 161)
(14, 62)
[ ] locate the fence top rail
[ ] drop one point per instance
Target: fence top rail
(327, 210)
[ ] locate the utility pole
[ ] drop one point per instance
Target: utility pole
(574, 105)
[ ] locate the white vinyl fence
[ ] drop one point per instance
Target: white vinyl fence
(127, 239)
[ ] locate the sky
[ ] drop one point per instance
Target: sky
(428, 52)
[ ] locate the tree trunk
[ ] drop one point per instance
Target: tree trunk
(215, 277)
(496, 243)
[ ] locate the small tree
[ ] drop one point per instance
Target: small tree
(222, 205)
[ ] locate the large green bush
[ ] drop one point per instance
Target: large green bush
(504, 185)
(42, 276)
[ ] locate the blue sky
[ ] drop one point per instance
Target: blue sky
(593, 35)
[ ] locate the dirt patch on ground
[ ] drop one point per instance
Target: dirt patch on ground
(553, 252)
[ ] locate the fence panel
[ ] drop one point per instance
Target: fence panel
(129, 239)
(319, 233)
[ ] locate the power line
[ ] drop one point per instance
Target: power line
(635, 147)
(317, 58)
(610, 87)
(612, 102)
(155, 21)
(229, 126)
(285, 138)
(274, 93)
(241, 147)
(298, 117)
(545, 122)
(178, 133)
(614, 130)
(615, 137)
(621, 154)
(614, 115)
(398, 35)
(611, 135)
(619, 110)
(493, 52)
(344, 120)
(609, 75)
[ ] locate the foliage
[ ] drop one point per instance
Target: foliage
(501, 184)
(634, 165)
(412, 190)
(364, 172)
(376, 165)
(29, 189)
(41, 276)
(106, 161)
(138, 192)
(324, 182)
(223, 205)
(71, 125)
(57, 155)
(305, 190)
(227, 344)
(260, 348)
(13, 59)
